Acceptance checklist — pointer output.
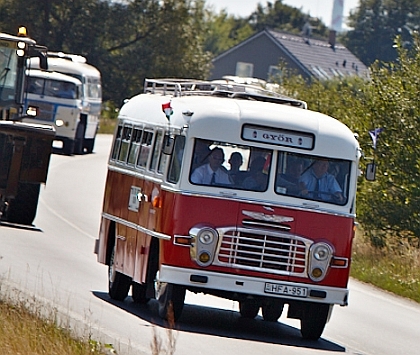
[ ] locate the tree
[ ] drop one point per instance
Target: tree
(127, 41)
(375, 25)
(390, 100)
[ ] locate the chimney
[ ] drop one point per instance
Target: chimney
(331, 38)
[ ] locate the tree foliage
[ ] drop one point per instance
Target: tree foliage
(390, 100)
(127, 41)
(376, 23)
(284, 17)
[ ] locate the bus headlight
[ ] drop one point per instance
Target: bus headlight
(59, 123)
(203, 246)
(320, 255)
(321, 252)
(206, 236)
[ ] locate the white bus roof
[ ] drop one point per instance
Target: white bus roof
(52, 75)
(68, 66)
(221, 115)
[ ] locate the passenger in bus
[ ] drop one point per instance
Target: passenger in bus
(320, 184)
(257, 178)
(212, 173)
(235, 161)
(66, 91)
(289, 181)
(201, 153)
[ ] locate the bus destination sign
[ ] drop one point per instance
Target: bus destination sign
(278, 137)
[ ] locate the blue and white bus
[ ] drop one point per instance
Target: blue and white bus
(57, 98)
(90, 95)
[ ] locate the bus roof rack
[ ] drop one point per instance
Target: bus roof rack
(222, 88)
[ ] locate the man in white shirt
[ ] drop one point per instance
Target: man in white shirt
(212, 173)
(320, 184)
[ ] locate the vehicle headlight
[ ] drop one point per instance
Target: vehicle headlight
(206, 236)
(321, 252)
(319, 261)
(204, 244)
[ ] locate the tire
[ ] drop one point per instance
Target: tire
(118, 283)
(249, 308)
(171, 301)
(89, 144)
(79, 141)
(272, 310)
(22, 209)
(138, 293)
(68, 146)
(314, 320)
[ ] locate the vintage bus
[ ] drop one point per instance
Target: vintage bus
(87, 122)
(276, 231)
(58, 99)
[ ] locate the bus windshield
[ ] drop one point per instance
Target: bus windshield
(249, 168)
(53, 88)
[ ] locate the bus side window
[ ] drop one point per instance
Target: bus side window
(117, 143)
(146, 142)
(166, 151)
(125, 143)
(134, 146)
(176, 159)
(35, 85)
(156, 150)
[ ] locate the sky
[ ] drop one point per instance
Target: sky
(316, 8)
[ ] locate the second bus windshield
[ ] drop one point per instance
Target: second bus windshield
(250, 168)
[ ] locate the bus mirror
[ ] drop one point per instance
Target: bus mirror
(43, 63)
(168, 145)
(370, 172)
(41, 53)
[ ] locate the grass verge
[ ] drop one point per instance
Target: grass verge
(394, 268)
(29, 328)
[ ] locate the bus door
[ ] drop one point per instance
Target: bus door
(123, 201)
(140, 195)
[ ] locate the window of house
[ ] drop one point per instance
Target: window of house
(244, 69)
(274, 72)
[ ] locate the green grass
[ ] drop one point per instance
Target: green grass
(394, 268)
(107, 125)
(30, 333)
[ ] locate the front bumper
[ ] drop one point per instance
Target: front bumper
(250, 285)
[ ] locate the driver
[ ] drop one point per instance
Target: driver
(320, 184)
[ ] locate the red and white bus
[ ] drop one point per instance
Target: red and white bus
(263, 235)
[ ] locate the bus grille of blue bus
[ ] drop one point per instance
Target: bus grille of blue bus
(263, 251)
(46, 110)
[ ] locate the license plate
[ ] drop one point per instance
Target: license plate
(285, 290)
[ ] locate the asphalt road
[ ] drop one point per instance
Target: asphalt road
(54, 263)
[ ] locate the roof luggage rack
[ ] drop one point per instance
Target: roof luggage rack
(221, 88)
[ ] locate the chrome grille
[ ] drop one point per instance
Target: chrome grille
(46, 110)
(263, 251)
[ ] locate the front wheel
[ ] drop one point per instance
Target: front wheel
(249, 308)
(313, 321)
(79, 141)
(272, 310)
(118, 283)
(23, 207)
(89, 143)
(171, 301)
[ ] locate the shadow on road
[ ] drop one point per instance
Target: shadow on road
(223, 323)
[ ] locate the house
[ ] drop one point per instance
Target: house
(259, 57)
